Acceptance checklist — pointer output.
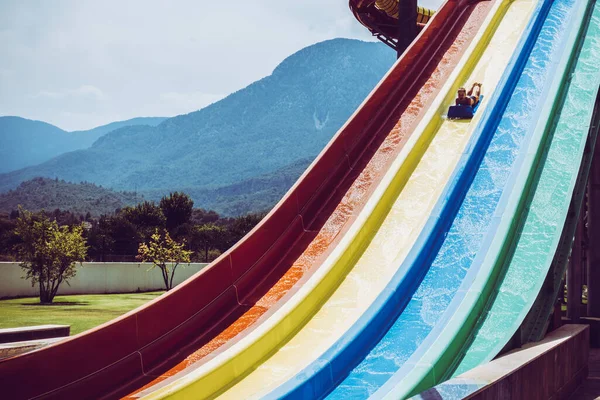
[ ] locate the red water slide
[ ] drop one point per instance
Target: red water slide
(249, 281)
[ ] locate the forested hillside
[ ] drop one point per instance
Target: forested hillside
(50, 194)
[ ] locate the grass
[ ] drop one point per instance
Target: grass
(81, 312)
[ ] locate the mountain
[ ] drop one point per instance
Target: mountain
(251, 195)
(284, 118)
(96, 133)
(256, 194)
(49, 194)
(24, 142)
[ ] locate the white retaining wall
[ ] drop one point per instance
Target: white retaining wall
(95, 278)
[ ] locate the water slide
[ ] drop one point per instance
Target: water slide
(419, 348)
(490, 207)
(552, 204)
(554, 186)
(410, 329)
(348, 285)
(227, 301)
(583, 83)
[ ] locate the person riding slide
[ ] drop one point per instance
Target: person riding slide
(471, 98)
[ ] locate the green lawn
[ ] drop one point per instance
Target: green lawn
(81, 312)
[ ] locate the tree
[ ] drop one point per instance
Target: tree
(241, 226)
(100, 239)
(164, 253)
(8, 238)
(177, 208)
(208, 236)
(202, 216)
(145, 215)
(48, 252)
(125, 236)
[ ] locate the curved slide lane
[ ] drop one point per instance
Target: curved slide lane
(530, 247)
(584, 80)
(235, 293)
(361, 286)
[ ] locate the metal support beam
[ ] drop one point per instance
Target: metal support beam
(575, 275)
(407, 24)
(593, 270)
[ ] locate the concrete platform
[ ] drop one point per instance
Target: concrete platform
(551, 369)
(13, 335)
(14, 349)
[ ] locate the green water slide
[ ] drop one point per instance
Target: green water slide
(586, 73)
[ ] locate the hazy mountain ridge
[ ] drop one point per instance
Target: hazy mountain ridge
(25, 142)
(104, 129)
(227, 153)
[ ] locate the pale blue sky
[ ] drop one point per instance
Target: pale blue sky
(83, 63)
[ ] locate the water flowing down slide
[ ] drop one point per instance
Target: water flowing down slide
(578, 103)
(427, 363)
(229, 299)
